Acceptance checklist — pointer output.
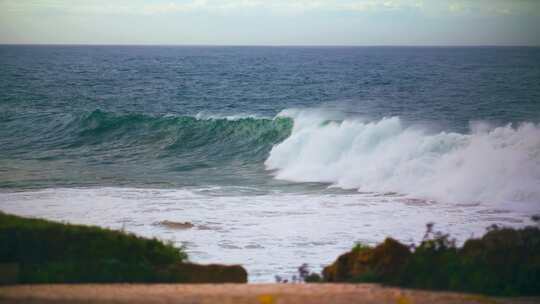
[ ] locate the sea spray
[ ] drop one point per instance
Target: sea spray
(489, 164)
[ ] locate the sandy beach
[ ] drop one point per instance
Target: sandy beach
(236, 293)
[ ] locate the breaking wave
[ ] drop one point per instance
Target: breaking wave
(489, 164)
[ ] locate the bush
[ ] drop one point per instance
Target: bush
(504, 262)
(48, 252)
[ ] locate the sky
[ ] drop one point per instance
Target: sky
(266, 22)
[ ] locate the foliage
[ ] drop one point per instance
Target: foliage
(504, 261)
(307, 276)
(304, 275)
(48, 252)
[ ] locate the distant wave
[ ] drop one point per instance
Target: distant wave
(101, 137)
(490, 164)
(177, 136)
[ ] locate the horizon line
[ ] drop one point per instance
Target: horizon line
(268, 45)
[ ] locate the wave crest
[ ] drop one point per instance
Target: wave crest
(186, 141)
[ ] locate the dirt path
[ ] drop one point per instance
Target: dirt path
(235, 293)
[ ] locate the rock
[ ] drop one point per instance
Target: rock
(176, 225)
(369, 264)
(213, 273)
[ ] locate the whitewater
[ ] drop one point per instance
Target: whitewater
(490, 164)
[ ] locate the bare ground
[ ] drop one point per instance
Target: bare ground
(236, 293)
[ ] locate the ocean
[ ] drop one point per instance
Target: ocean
(277, 155)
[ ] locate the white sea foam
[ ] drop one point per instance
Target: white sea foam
(489, 164)
(269, 234)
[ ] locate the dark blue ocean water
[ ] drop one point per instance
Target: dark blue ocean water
(157, 116)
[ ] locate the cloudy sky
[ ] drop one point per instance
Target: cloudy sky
(266, 22)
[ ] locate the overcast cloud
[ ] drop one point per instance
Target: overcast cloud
(259, 22)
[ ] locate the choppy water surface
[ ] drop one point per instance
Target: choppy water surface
(278, 156)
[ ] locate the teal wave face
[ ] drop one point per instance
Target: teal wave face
(248, 139)
(146, 146)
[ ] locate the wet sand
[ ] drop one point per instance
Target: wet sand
(236, 294)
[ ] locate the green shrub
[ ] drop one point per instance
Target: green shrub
(48, 252)
(504, 262)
